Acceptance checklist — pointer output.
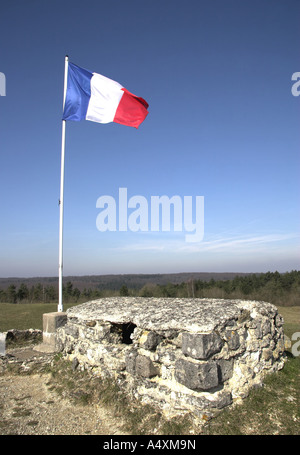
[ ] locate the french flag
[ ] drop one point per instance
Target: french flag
(91, 96)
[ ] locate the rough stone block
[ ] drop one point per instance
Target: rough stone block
(144, 367)
(266, 354)
(72, 330)
(196, 376)
(202, 345)
(225, 369)
(130, 361)
(140, 365)
(233, 339)
(266, 327)
(219, 401)
(150, 340)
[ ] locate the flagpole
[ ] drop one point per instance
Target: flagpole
(61, 200)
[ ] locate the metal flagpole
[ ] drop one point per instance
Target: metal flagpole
(61, 200)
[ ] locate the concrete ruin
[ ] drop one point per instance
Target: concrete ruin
(179, 355)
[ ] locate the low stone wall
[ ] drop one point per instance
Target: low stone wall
(17, 336)
(180, 355)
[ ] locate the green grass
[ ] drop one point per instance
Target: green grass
(24, 316)
(291, 316)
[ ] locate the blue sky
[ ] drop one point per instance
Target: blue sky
(222, 124)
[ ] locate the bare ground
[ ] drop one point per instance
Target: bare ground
(30, 406)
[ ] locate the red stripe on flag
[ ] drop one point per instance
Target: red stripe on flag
(131, 110)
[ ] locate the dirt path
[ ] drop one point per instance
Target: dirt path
(29, 406)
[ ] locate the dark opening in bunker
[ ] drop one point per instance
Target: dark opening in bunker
(124, 331)
(127, 330)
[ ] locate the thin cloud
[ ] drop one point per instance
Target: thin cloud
(222, 244)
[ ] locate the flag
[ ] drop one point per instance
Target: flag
(91, 96)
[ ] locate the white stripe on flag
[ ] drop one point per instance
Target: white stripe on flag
(105, 98)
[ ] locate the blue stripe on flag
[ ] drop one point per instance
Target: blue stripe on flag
(78, 93)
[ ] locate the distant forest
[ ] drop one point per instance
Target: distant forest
(282, 289)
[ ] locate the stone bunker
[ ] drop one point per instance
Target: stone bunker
(179, 355)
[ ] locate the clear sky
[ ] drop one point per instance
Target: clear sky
(222, 124)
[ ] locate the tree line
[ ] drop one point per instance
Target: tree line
(274, 287)
(38, 293)
(278, 288)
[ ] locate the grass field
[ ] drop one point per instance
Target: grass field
(24, 316)
(271, 410)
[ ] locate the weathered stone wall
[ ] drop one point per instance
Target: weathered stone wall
(180, 355)
(16, 335)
